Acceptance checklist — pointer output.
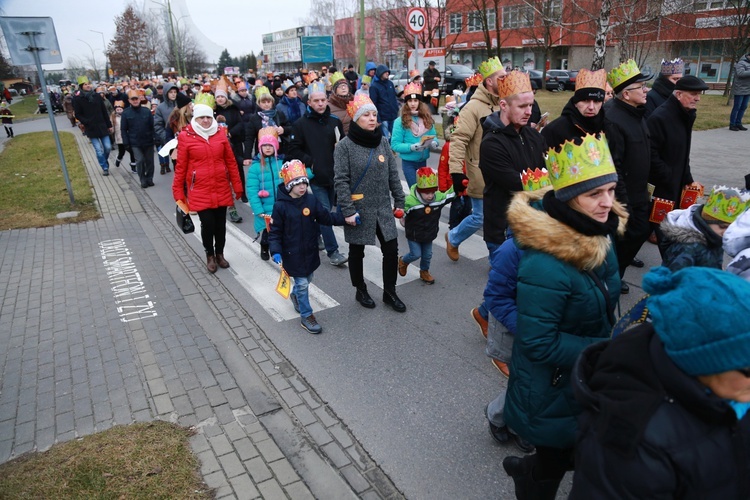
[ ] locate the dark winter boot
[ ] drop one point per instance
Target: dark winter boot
(390, 298)
(264, 252)
(527, 488)
(163, 170)
(211, 264)
(364, 298)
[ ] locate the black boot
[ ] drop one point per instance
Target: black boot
(527, 488)
(264, 252)
(364, 298)
(390, 298)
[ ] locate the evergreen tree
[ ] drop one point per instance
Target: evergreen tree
(128, 52)
(225, 60)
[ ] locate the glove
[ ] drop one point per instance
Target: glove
(435, 144)
(398, 212)
(277, 258)
(460, 181)
(415, 147)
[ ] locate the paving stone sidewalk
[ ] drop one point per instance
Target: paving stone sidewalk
(116, 320)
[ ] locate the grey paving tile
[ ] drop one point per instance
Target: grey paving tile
(334, 452)
(258, 469)
(245, 449)
(319, 434)
(220, 445)
(283, 471)
(298, 491)
(355, 479)
(244, 487)
(232, 465)
(269, 450)
(271, 489)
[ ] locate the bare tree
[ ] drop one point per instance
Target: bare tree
(542, 22)
(738, 22)
(325, 12)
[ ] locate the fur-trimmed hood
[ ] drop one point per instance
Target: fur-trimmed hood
(679, 227)
(534, 228)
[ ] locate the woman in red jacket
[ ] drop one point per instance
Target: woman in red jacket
(205, 167)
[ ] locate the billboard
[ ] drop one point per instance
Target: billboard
(317, 49)
(436, 54)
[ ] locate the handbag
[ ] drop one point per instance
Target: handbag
(184, 221)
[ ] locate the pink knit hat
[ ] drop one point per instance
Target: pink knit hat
(268, 135)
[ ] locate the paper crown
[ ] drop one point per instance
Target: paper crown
(426, 178)
(316, 87)
(587, 79)
(534, 179)
(574, 163)
(413, 73)
(311, 77)
(622, 73)
(673, 67)
(490, 66)
(412, 90)
(82, 79)
(726, 204)
(355, 104)
(262, 91)
(366, 79)
(287, 84)
(514, 83)
(474, 80)
(292, 170)
(268, 136)
(337, 76)
(205, 98)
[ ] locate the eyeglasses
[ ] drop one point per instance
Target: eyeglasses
(642, 86)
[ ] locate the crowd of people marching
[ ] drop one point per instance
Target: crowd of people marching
(649, 405)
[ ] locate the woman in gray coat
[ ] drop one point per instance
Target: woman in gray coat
(365, 179)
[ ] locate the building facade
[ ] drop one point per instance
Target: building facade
(282, 50)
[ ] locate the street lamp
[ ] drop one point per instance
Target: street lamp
(106, 60)
(93, 57)
(175, 47)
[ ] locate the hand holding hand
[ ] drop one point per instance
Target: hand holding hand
(277, 258)
(458, 183)
(398, 212)
(352, 219)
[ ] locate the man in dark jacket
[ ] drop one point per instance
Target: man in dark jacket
(431, 77)
(244, 102)
(161, 123)
(664, 404)
(629, 144)
(91, 112)
(351, 78)
(671, 130)
(383, 96)
(314, 138)
(137, 127)
(671, 71)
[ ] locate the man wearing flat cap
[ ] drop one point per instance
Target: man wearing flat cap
(671, 128)
(431, 77)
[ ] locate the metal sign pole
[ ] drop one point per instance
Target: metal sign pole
(416, 52)
(35, 51)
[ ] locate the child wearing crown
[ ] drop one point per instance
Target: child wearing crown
(737, 245)
(423, 205)
(413, 133)
(693, 236)
(262, 176)
(295, 227)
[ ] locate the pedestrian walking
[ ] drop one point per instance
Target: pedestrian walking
(414, 133)
(7, 117)
(137, 127)
(262, 180)
(94, 121)
(741, 93)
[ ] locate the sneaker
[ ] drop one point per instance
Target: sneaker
(637, 263)
(337, 259)
(234, 216)
(321, 243)
(480, 321)
(450, 249)
(501, 367)
(105, 173)
(734, 128)
(311, 325)
(295, 302)
(739, 127)
(402, 267)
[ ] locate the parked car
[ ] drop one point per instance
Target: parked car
(535, 76)
(455, 76)
(559, 79)
(400, 79)
(573, 75)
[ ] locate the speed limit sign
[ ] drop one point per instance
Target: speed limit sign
(416, 20)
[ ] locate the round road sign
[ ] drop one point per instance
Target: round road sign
(416, 20)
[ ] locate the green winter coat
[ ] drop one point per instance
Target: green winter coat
(561, 311)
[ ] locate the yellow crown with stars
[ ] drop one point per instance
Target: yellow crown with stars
(572, 163)
(587, 79)
(206, 98)
(515, 82)
(260, 91)
(490, 66)
(622, 73)
(335, 78)
(534, 179)
(726, 204)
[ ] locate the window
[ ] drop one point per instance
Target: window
(714, 4)
(518, 16)
(554, 11)
(475, 21)
(455, 20)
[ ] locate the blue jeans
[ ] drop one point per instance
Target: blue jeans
(410, 170)
(419, 250)
(301, 284)
(325, 195)
(102, 147)
(738, 110)
(469, 225)
(387, 126)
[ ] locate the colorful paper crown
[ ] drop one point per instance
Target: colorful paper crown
(287, 84)
(474, 80)
(366, 79)
(268, 136)
(261, 91)
(426, 178)
(82, 79)
(335, 78)
(490, 66)
(316, 87)
(413, 73)
(534, 179)
(726, 204)
(515, 82)
(587, 79)
(311, 77)
(293, 170)
(673, 67)
(412, 90)
(358, 102)
(573, 163)
(205, 98)
(622, 73)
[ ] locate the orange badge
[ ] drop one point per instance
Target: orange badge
(381, 158)
(305, 211)
(427, 210)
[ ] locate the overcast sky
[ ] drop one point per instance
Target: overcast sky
(236, 25)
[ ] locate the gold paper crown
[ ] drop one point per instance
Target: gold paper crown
(316, 87)
(311, 77)
(426, 178)
(474, 80)
(573, 163)
(286, 84)
(205, 98)
(366, 79)
(622, 73)
(413, 73)
(673, 67)
(534, 179)
(335, 78)
(293, 169)
(490, 66)
(82, 79)
(412, 89)
(587, 79)
(267, 132)
(726, 204)
(356, 103)
(514, 83)
(262, 90)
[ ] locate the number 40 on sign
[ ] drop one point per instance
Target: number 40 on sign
(416, 20)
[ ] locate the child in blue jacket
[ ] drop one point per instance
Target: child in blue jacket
(413, 133)
(295, 228)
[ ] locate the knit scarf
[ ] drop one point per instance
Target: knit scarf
(417, 125)
(561, 211)
(268, 118)
(204, 132)
(590, 125)
(365, 138)
(292, 105)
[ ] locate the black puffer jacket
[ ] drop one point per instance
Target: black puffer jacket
(649, 431)
(658, 95)
(91, 112)
(313, 140)
(629, 144)
(503, 154)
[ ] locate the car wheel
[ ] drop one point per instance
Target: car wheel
(560, 87)
(461, 86)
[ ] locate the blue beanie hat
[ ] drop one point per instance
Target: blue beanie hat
(701, 315)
